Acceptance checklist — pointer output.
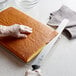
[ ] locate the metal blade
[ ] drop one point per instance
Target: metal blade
(48, 47)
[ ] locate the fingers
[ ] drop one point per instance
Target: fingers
(21, 35)
(25, 29)
(33, 73)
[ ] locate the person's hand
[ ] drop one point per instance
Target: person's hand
(16, 30)
(33, 73)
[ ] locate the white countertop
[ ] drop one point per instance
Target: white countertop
(61, 61)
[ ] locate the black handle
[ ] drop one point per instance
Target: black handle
(35, 67)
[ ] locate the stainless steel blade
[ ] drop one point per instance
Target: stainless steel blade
(47, 48)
